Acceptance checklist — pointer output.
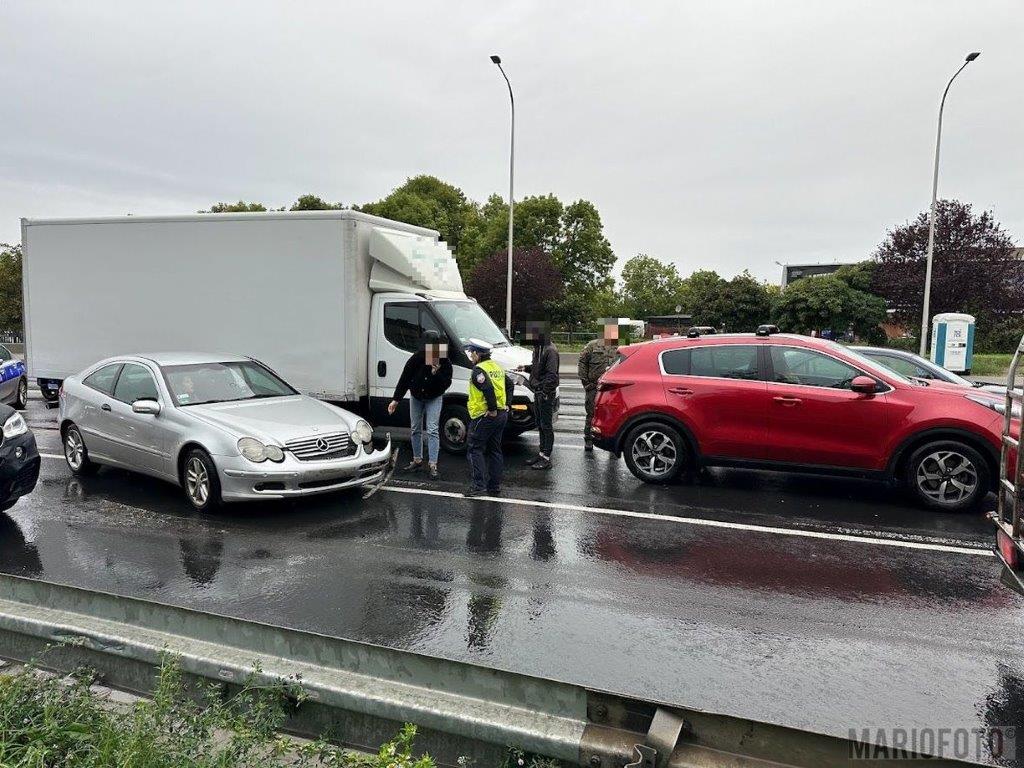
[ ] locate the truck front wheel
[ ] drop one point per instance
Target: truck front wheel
(454, 428)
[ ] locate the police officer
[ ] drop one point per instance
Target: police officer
(596, 358)
(488, 413)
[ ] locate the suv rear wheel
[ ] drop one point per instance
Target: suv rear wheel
(948, 475)
(655, 453)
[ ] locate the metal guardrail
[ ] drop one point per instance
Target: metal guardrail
(363, 692)
(12, 337)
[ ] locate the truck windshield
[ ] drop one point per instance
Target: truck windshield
(222, 382)
(467, 320)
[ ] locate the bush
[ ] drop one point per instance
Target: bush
(998, 338)
(49, 721)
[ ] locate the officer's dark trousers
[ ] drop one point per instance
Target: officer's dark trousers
(545, 425)
(485, 460)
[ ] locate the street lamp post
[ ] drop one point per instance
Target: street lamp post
(931, 219)
(511, 204)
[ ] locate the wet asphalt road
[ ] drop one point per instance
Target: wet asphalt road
(818, 604)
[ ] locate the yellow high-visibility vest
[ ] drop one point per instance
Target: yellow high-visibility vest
(477, 402)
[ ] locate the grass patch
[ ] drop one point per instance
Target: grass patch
(990, 365)
(50, 722)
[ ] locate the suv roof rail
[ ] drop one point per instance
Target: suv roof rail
(767, 330)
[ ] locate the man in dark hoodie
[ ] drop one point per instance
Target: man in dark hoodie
(426, 377)
(543, 370)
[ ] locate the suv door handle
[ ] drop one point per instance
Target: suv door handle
(105, 407)
(680, 391)
(787, 400)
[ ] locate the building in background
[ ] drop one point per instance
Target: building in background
(794, 272)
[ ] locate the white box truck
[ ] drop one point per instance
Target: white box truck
(334, 301)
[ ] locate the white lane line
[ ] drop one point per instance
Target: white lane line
(686, 520)
(706, 523)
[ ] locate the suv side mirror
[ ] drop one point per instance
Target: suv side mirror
(150, 407)
(864, 384)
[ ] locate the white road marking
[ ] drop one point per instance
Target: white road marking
(705, 523)
(684, 520)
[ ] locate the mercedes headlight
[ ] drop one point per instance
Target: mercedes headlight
(363, 432)
(257, 452)
(15, 426)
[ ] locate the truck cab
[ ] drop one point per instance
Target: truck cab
(397, 325)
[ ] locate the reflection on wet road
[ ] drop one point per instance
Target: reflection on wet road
(825, 634)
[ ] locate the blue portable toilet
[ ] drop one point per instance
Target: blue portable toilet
(953, 341)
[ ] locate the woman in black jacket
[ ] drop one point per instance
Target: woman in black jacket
(426, 377)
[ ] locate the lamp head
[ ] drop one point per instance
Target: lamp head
(970, 56)
(497, 59)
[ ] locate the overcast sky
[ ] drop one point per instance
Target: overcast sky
(723, 135)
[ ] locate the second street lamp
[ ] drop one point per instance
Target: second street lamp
(511, 205)
(931, 219)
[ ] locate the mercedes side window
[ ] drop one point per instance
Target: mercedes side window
(732, 361)
(811, 369)
(103, 379)
(5, 354)
(135, 383)
(906, 367)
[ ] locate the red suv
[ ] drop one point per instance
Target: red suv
(795, 403)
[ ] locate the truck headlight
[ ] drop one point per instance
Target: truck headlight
(15, 426)
(363, 432)
(257, 452)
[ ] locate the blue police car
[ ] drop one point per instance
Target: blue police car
(13, 380)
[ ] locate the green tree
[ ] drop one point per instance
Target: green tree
(699, 297)
(314, 203)
(649, 287)
(583, 254)
(827, 302)
(240, 207)
(742, 303)
(538, 223)
(573, 235)
(426, 201)
(10, 288)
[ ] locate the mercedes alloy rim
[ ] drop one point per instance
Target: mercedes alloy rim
(948, 477)
(197, 482)
(74, 451)
(654, 453)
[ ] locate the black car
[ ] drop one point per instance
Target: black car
(19, 458)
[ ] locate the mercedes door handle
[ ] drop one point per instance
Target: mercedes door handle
(786, 400)
(680, 391)
(105, 407)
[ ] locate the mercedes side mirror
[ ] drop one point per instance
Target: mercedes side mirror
(151, 407)
(864, 384)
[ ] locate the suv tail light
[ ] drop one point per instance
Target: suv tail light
(1008, 549)
(608, 386)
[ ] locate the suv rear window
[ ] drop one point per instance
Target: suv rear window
(732, 361)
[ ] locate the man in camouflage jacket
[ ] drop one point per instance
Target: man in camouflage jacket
(596, 358)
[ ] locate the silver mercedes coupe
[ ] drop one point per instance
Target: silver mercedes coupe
(223, 428)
